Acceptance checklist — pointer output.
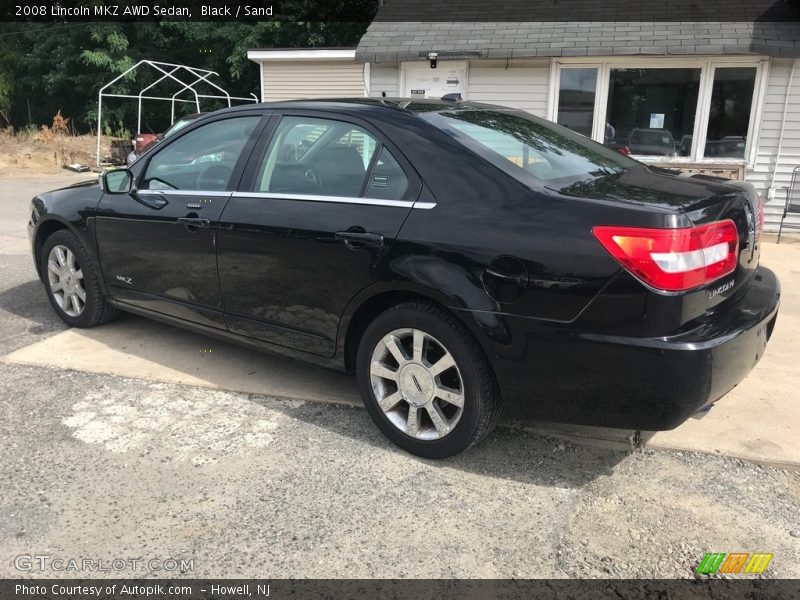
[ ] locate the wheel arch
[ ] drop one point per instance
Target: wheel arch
(44, 229)
(52, 224)
(376, 300)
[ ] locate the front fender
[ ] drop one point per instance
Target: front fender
(72, 208)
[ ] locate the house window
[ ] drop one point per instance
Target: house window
(652, 111)
(663, 109)
(729, 113)
(576, 99)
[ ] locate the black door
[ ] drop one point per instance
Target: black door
(319, 207)
(157, 245)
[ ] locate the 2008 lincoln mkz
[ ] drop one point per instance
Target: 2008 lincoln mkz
(460, 258)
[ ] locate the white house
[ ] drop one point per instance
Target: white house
(715, 96)
(287, 74)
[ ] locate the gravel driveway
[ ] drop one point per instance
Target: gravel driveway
(102, 467)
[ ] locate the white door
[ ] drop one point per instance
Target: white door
(420, 81)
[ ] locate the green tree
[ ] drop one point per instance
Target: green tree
(6, 91)
(52, 66)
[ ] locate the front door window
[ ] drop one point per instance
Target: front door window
(201, 160)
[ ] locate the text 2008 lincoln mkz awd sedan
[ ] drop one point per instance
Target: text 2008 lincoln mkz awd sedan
(459, 258)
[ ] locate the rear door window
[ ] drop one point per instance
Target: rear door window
(327, 157)
(316, 157)
(387, 181)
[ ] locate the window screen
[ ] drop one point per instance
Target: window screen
(576, 99)
(729, 116)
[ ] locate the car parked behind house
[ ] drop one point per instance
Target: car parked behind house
(651, 142)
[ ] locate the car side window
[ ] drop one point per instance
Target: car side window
(201, 160)
(387, 180)
(316, 157)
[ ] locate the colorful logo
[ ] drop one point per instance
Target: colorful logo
(735, 562)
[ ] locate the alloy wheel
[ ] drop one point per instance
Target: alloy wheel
(66, 281)
(417, 384)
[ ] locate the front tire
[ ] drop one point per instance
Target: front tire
(71, 281)
(425, 381)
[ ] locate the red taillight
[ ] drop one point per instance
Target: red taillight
(624, 150)
(674, 260)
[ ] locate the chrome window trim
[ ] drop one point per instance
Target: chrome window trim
(210, 194)
(338, 199)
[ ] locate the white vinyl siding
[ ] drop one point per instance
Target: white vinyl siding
(291, 80)
(760, 175)
(518, 84)
(384, 78)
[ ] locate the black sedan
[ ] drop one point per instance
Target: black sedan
(460, 258)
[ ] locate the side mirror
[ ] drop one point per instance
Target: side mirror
(118, 181)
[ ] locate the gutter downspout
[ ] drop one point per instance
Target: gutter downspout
(771, 191)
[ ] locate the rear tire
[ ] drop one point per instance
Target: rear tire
(425, 381)
(72, 284)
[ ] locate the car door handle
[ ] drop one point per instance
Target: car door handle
(359, 239)
(194, 221)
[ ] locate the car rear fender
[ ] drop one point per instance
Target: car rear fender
(487, 327)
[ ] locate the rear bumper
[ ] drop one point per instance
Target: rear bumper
(642, 383)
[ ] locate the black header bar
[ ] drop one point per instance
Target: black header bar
(766, 11)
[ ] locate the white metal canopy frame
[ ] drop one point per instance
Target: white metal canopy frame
(188, 79)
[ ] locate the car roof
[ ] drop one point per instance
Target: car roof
(412, 106)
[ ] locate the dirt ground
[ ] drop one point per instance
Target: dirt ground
(27, 153)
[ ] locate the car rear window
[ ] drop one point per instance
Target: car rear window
(525, 146)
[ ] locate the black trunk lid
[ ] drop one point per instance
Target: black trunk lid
(697, 200)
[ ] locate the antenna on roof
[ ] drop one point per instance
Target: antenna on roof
(454, 97)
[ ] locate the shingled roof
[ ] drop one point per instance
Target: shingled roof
(408, 30)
